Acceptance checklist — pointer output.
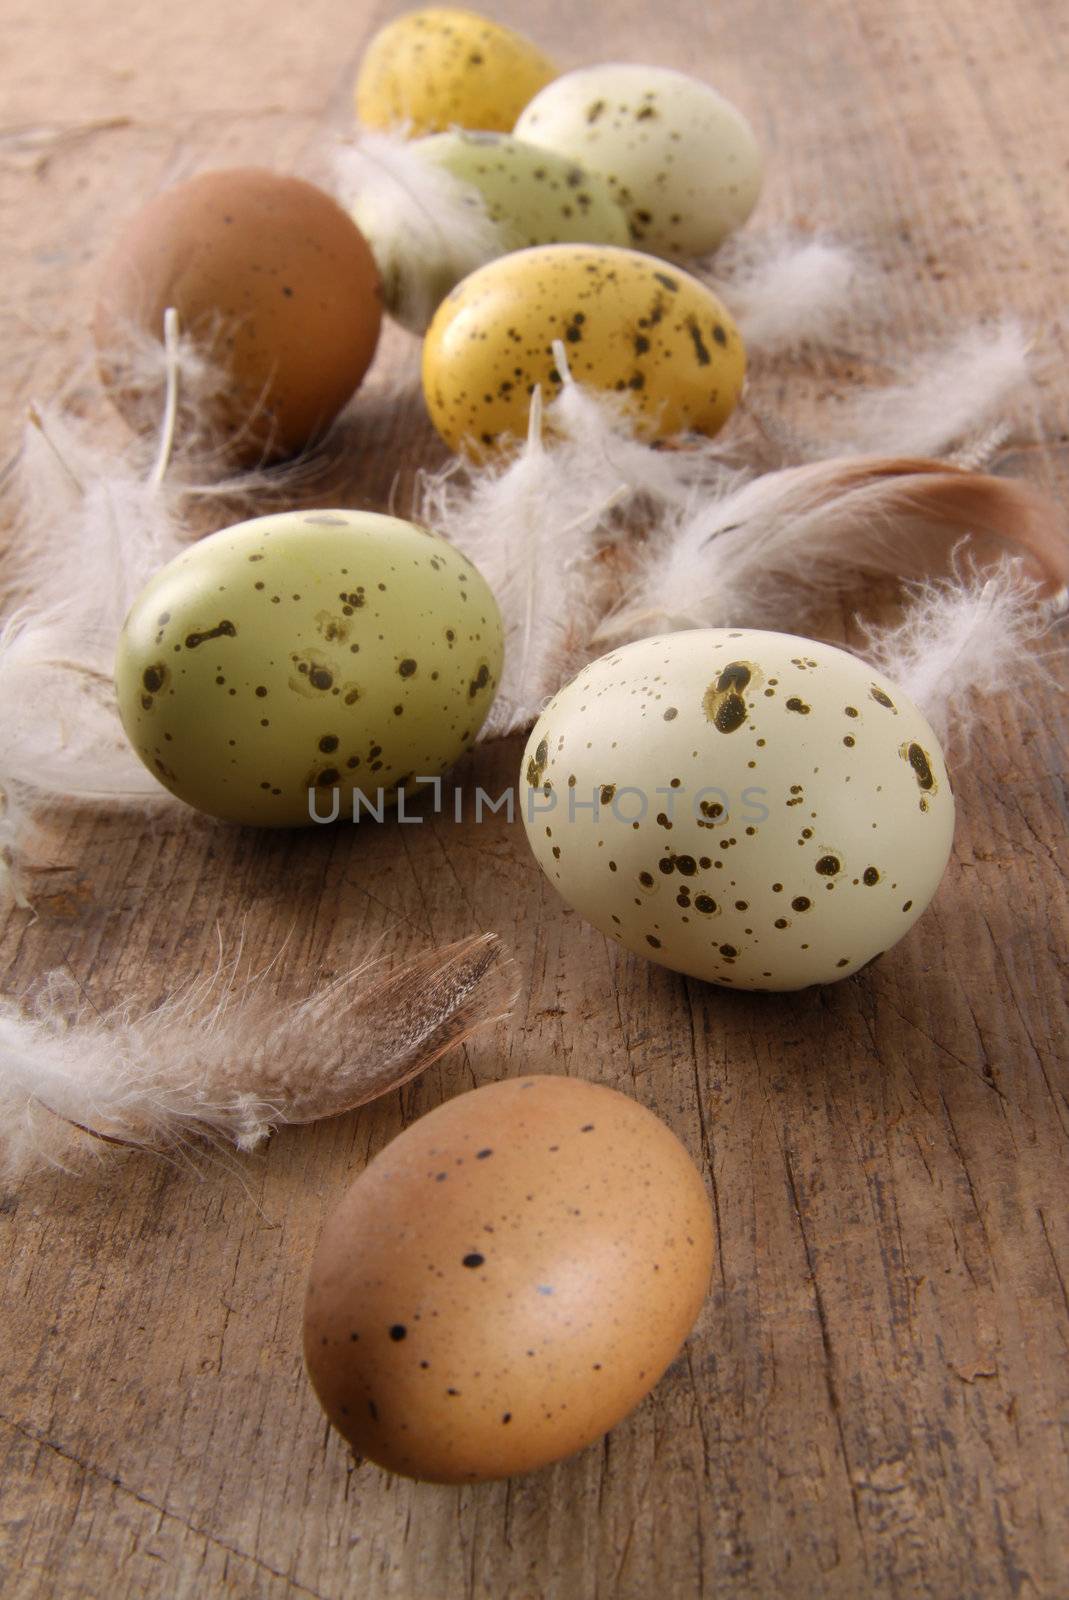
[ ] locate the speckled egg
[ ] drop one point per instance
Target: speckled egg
(750, 808)
(629, 325)
(443, 67)
(530, 196)
(534, 196)
(274, 668)
(507, 1280)
(682, 161)
(273, 284)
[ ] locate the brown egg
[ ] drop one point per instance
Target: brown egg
(506, 1280)
(270, 278)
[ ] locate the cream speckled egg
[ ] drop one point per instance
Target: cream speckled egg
(682, 161)
(750, 808)
(297, 657)
(506, 1280)
(630, 326)
(442, 67)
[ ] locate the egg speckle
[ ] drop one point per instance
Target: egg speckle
(273, 285)
(749, 842)
(682, 161)
(506, 1280)
(278, 666)
(659, 338)
(443, 67)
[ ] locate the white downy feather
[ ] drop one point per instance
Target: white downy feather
(607, 446)
(963, 639)
(534, 523)
(946, 395)
(90, 535)
(785, 291)
(224, 1060)
(91, 527)
(528, 522)
(426, 228)
(760, 553)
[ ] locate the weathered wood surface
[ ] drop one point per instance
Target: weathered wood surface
(876, 1399)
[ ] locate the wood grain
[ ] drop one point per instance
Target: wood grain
(876, 1399)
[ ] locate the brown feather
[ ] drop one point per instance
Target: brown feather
(755, 555)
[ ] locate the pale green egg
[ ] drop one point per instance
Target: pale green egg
(492, 194)
(286, 662)
(533, 195)
(682, 161)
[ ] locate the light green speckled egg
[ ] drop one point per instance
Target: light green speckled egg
(682, 161)
(492, 194)
(296, 655)
(533, 195)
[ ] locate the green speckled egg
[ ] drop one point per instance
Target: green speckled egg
(630, 325)
(751, 808)
(682, 161)
(301, 656)
(534, 196)
(506, 194)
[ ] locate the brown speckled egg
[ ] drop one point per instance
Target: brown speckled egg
(751, 808)
(630, 325)
(506, 1280)
(271, 280)
(445, 67)
(271, 671)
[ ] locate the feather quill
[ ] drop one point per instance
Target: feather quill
(426, 228)
(962, 639)
(223, 1061)
(763, 551)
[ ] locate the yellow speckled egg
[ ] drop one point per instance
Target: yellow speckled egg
(630, 325)
(445, 67)
(506, 1280)
(276, 667)
(681, 160)
(751, 808)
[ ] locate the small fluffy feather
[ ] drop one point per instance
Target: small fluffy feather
(91, 534)
(785, 291)
(536, 523)
(528, 522)
(606, 444)
(758, 554)
(91, 526)
(426, 228)
(945, 396)
(226, 1061)
(964, 638)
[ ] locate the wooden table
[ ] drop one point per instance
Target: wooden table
(876, 1398)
